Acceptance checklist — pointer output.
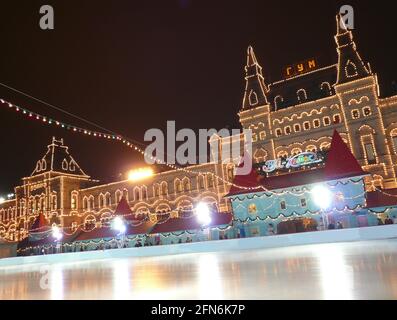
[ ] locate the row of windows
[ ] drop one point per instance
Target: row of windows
(283, 205)
(262, 136)
(366, 111)
(301, 95)
(35, 205)
(307, 125)
(309, 148)
(140, 194)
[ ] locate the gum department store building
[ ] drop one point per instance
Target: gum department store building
(286, 117)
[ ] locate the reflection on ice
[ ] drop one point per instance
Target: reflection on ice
(336, 276)
(209, 277)
(357, 270)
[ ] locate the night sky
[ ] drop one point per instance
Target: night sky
(130, 66)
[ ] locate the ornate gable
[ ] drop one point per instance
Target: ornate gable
(58, 159)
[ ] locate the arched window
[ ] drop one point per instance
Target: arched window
(296, 151)
(278, 101)
(164, 188)
(210, 181)
(53, 202)
(85, 203)
(186, 184)
(366, 111)
(230, 173)
(201, 183)
(316, 123)
(311, 148)
(102, 201)
(144, 193)
(324, 146)
(72, 165)
(65, 165)
(326, 121)
(326, 88)
(73, 203)
(118, 196)
(336, 118)
(91, 205)
(301, 94)
(350, 69)
(282, 154)
(108, 199)
(137, 192)
(253, 98)
(178, 185)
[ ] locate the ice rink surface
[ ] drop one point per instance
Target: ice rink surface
(351, 270)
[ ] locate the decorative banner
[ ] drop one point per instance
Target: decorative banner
(299, 160)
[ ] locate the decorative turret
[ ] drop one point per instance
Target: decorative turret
(57, 159)
(255, 88)
(350, 64)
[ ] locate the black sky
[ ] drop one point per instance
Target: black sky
(130, 66)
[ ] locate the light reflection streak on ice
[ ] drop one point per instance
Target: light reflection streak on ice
(56, 282)
(121, 279)
(209, 277)
(335, 274)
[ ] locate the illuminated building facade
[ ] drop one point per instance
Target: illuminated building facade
(287, 117)
(299, 113)
(60, 190)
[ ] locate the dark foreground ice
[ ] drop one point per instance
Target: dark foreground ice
(356, 270)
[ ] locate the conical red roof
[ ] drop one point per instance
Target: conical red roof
(250, 180)
(340, 160)
(40, 223)
(123, 209)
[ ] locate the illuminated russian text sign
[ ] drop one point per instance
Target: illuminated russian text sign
(300, 68)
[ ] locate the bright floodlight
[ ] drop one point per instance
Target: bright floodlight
(203, 213)
(2, 200)
(56, 233)
(119, 225)
(139, 174)
(321, 196)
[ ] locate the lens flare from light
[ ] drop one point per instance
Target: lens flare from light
(140, 174)
(56, 233)
(119, 225)
(203, 213)
(322, 196)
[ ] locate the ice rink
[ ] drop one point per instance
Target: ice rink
(351, 270)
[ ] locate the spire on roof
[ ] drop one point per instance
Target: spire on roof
(251, 59)
(350, 64)
(255, 87)
(340, 25)
(340, 160)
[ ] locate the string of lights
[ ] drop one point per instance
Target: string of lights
(126, 141)
(116, 137)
